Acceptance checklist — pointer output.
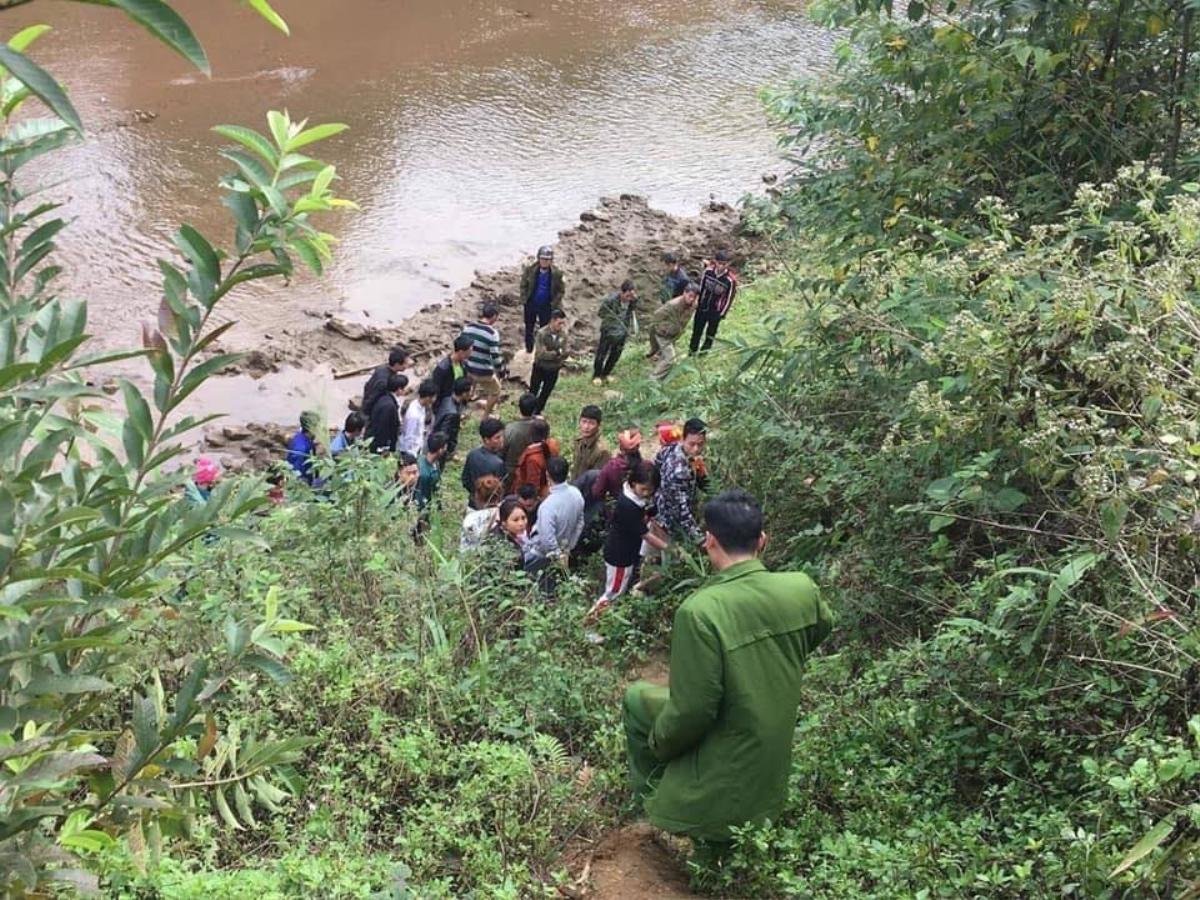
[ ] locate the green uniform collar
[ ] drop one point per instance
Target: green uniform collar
(737, 570)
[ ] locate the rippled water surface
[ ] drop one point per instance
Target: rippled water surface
(478, 130)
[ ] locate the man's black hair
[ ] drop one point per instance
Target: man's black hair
(692, 288)
(463, 342)
(558, 314)
(539, 431)
(355, 422)
(694, 426)
(489, 311)
(670, 259)
(558, 469)
(397, 356)
(527, 404)
(723, 256)
(490, 427)
(527, 492)
(461, 386)
(627, 286)
(427, 388)
(404, 458)
(735, 519)
(435, 442)
(592, 411)
(397, 382)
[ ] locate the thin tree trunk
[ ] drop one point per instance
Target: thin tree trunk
(1185, 48)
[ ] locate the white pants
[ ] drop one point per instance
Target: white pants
(616, 581)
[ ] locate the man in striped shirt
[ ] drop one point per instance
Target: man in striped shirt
(485, 363)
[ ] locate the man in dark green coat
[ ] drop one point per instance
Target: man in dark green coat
(714, 750)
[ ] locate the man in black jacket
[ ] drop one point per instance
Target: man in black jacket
(384, 427)
(447, 417)
(451, 368)
(376, 385)
(485, 459)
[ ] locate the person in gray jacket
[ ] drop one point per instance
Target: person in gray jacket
(559, 525)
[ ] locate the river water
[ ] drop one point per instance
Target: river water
(478, 129)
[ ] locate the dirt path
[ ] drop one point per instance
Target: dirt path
(628, 864)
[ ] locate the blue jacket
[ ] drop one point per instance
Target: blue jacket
(301, 450)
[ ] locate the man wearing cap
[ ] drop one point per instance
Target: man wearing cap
(718, 285)
(542, 290)
(713, 751)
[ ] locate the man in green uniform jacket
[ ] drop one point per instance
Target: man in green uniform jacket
(714, 750)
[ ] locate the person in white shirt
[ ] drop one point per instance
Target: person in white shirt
(414, 429)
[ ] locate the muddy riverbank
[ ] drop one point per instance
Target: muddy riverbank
(294, 369)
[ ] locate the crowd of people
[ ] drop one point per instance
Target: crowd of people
(554, 501)
(550, 503)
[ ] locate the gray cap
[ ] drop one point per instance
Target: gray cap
(546, 252)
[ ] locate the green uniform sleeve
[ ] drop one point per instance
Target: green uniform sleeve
(696, 687)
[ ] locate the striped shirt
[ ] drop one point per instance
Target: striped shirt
(485, 358)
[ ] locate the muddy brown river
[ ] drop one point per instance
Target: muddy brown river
(478, 130)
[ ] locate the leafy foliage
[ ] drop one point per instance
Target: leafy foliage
(931, 110)
(98, 737)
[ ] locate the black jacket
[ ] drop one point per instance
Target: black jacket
(384, 427)
(447, 419)
(443, 376)
(375, 388)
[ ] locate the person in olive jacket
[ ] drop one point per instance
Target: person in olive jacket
(616, 321)
(542, 290)
(713, 751)
(549, 355)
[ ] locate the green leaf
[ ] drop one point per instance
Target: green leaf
(145, 726)
(242, 799)
(939, 522)
(314, 134)
(251, 140)
(269, 667)
(169, 27)
(1112, 516)
(224, 811)
(44, 685)
(306, 251)
(280, 129)
(42, 84)
(1066, 578)
(204, 259)
(1008, 499)
(1146, 845)
(138, 410)
(916, 10)
(26, 36)
(263, 8)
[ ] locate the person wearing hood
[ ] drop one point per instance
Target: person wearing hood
(302, 447)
